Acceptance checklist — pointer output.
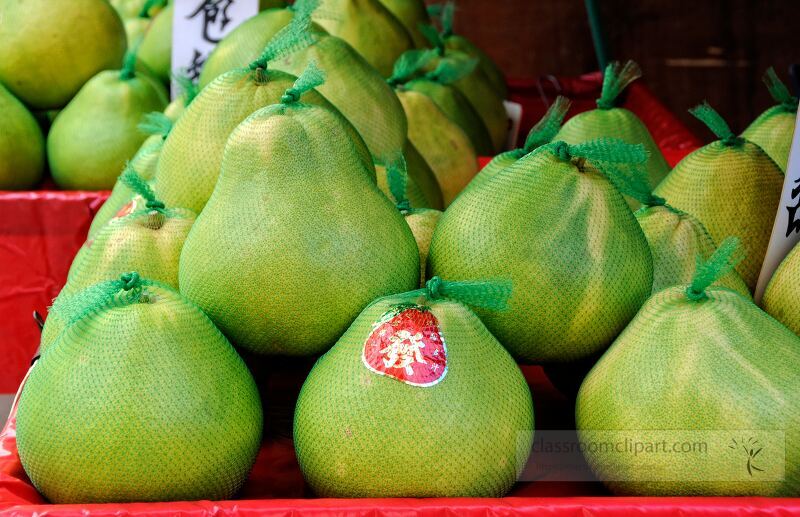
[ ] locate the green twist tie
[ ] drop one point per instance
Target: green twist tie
(450, 70)
(135, 182)
(295, 36)
(150, 4)
(486, 294)
(311, 77)
(433, 36)
(435, 11)
(619, 161)
(547, 128)
(717, 265)
(397, 178)
(779, 91)
(448, 14)
(155, 123)
(615, 79)
(409, 64)
(187, 86)
(128, 71)
(714, 121)
(125, 290)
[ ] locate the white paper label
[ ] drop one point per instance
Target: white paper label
(786, 230)
(197, 27)
(514, 112)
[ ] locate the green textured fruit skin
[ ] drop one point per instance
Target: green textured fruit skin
(50, 49)
(144, 163)
(156, 47)
(357, 90)
(270, 4)
(316, 239)
(189, 164)
(616, 123)
(676, 241)
(494, 167)
(164, 410)
(93, 137)
(423, 176)
(21, 145)
(459, 110)
(442, 144)
(772, 131)
(567, 241)
(487, 67)
(423, 223)
(477, 88)
(244, 44)
(412, 14)
(733, 191)
(467, 436)
(684, 365)
(370, 28)
(780, 297)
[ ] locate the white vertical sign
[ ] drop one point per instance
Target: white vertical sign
(514, 113)
(197, 27)
(786, 230)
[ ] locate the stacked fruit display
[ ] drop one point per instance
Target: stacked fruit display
(319, 197)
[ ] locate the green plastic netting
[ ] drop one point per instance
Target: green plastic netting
(732, 187)
(562, 231)
(692, 367)
(141, 399)
(315, 238)
(356, 422)
(773, 129)
(780, 297)
(611, 121)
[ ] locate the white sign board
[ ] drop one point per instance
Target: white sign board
(514, 112)
(197, 27)
(786, 230)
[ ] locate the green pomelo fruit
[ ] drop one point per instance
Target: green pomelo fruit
(315, 238)
(566, 238)
(442, 144)
(270, 4)
(733, 191)
(616, 123)
(21, 145)
(420, 172)
(676, 241)
(370, 28)
(50, 49)
(780, 297)
(412, 14)
(697, 372)
(357, 91)
(156, 47)
(494, 167)
(96, 133)
(140, 401)
(423, 223)
(468, 435)
(189, 164)
(459, 110)
(486, 65)
(135, 29)
(772, 131)
(244, 44)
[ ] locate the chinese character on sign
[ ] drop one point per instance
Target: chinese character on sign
(794, 224)
(403, 351)
(215, 18)
(196, 66)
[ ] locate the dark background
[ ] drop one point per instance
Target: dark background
(689, 51)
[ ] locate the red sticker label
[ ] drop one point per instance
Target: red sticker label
(407, 344)
(129, 207)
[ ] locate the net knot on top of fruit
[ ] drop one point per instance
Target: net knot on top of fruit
(779, 92)
(130, 281)
(487, 294)
(708, 272)
(311, 77)
(615, 79)
(130, 178)
(714, 121)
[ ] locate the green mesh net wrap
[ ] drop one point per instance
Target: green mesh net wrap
(370, 28)
(608, 120)
(190, 161)
(732, 187)
(694, 359)
(443, 145)
(141, 399)
(316, 240)
(780, 297)
(342, 447)
(773, 129)
(559, 204)
(541, 133)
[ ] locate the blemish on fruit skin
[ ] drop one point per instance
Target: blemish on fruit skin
(348, 433)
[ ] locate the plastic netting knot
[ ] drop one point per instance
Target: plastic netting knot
(187, 86)
(547, 128)
(295, 36)
(433, 288)
(486, 294)
(714, 121)
(779, 92)
(616, 78)
(409, 64)
(155, 123)
(711, 270)
(133, 181)
(130, 281)
(311, 77)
